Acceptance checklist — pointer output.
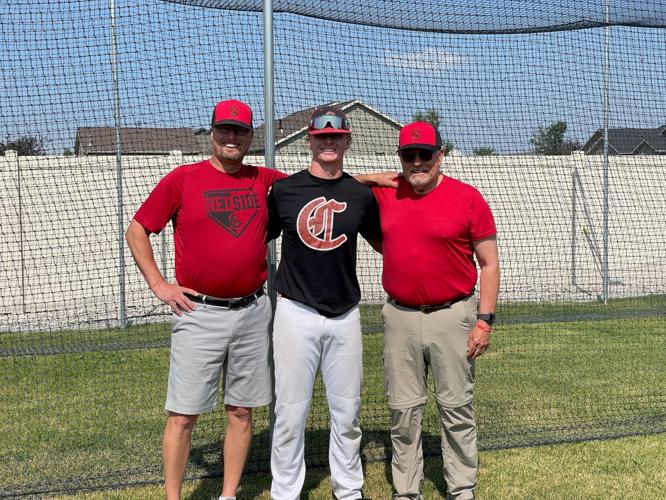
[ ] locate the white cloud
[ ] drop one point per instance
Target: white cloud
(425, 60)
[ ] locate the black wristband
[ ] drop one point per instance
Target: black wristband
(487, 317)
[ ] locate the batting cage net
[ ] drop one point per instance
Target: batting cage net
(553, 110)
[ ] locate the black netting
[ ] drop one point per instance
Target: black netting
(501, 16)
(579, 349)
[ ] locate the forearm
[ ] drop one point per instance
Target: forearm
(381, 179)
(367, 179)
(142, 252)
(489, 280)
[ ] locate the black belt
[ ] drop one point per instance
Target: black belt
(428, 308)
(228, 303)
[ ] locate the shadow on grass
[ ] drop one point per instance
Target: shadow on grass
(208, 462)
(432, 470)
(376, 448)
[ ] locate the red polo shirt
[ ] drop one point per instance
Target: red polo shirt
(220, 222)
(427, 240)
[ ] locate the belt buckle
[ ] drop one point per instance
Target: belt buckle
(427, 309)
(243, 302)
(236, 304)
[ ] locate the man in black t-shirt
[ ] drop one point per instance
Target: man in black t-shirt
(320, 212)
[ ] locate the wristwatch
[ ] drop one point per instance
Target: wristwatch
(487, 317)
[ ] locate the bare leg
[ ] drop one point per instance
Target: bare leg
(175, 450)
(237, 442)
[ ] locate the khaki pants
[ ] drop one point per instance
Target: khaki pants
(414, 343)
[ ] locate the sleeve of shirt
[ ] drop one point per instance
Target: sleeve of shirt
(274, 223)
(370, 227)
(270, 175)
(162, 203)
(482, 223)
(275, 175)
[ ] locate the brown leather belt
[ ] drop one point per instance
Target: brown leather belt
(428, 308)
(239, 303)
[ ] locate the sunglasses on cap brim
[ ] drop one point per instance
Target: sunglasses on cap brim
(409, 155)
(329, 121)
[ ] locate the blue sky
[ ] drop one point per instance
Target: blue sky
(177, 61)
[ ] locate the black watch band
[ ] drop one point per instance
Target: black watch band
(487, 317)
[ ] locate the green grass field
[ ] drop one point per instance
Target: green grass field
(92, 416)
(616, 469)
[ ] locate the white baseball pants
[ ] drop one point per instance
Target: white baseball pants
(304, 340)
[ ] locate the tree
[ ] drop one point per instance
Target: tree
(483, 151)
(26, 145)
(570, 145)
(429, 115)
(550, 140)
(67, 152)
(432, 117)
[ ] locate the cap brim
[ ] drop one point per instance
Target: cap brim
(232, 122)
(427, 147)
(329, 130)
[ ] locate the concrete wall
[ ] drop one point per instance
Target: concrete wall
(59, 230)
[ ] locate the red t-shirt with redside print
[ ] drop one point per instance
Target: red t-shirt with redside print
(220, 222)
(427, 240)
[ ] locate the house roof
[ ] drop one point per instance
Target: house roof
(296, 124)
(628, 140)
(136, 141)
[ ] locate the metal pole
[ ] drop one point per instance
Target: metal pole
(605, 273)
(164, 253)
(269, 128)
(269, 161)
(20, 221)
(574, 195)
(119, 167)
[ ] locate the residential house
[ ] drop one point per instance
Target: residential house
(373, 132)
(141, 141)
(628, 141)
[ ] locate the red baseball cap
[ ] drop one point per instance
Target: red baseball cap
(328, 120)
(232, 112)
(419, 135)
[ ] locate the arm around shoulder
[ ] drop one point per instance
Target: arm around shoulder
(379, 179)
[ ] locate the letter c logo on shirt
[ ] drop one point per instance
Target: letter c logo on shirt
(315, 224)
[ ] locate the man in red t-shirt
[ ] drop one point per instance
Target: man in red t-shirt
(219, 214)
(433, 227)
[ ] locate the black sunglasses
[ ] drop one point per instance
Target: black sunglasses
(409, 155)
(329, 121)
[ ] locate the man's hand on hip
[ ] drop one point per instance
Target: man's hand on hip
(174, 296)
(477, 342)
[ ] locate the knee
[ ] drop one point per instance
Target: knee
(181, 424)
(345, 415)
(457, 418)
(239, 417)
(406, 423)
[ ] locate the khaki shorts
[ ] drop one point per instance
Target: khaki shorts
(211, 340)
(416, 342)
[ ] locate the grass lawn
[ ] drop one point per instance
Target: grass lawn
(89, 414)
(613, 469)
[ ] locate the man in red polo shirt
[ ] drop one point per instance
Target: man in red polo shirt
(432, 322)
(218, 209)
